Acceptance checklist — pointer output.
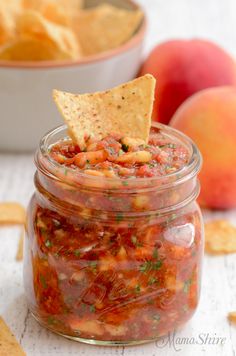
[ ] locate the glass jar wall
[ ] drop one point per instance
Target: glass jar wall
(107, 263)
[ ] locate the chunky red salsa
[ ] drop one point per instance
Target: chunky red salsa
(109, 266)
(123, 157)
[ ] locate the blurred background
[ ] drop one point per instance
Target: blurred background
(211, 19)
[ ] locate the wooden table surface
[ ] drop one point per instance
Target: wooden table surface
(209, 332)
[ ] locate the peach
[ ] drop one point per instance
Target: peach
(209, 118)
(184, 67)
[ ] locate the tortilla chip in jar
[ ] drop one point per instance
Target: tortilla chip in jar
(125, 110)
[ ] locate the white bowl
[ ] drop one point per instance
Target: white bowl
(27, 109)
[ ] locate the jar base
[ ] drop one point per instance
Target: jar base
(93, 341)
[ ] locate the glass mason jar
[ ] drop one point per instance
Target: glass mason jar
(109, 263)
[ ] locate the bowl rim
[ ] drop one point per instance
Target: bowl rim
(132, 42)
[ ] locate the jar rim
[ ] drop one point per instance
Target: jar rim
(187, 172)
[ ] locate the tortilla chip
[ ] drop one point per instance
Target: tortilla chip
(232, 317)
(220, 237)
(32, 4)
(7, 23)
(15, 6)
(12, 213)
(8, 343)
(57, 14)
(125, 109)
(19, 254)
(105, 27)
(31, 50)
(32, 25)
(71, 5)
(58, 11)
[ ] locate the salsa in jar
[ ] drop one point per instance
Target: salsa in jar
(115, 239)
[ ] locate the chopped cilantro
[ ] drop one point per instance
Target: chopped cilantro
(92, 308)
(125, 183)
(43, 281)
(93, 265)
(151, 165)
(135, 241)
(43, 231)
(51, 320)
(170, 219)
(150, 266)
(156, 317)
(119, 217)
(87, 161)
(137, 288)
(155, 253)
(194, 252)
(146, 266)
(157, 265)
(83, 306)
(152, 280)
(77, 252)
(187, 285)
(48, 243)
(65, 310)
